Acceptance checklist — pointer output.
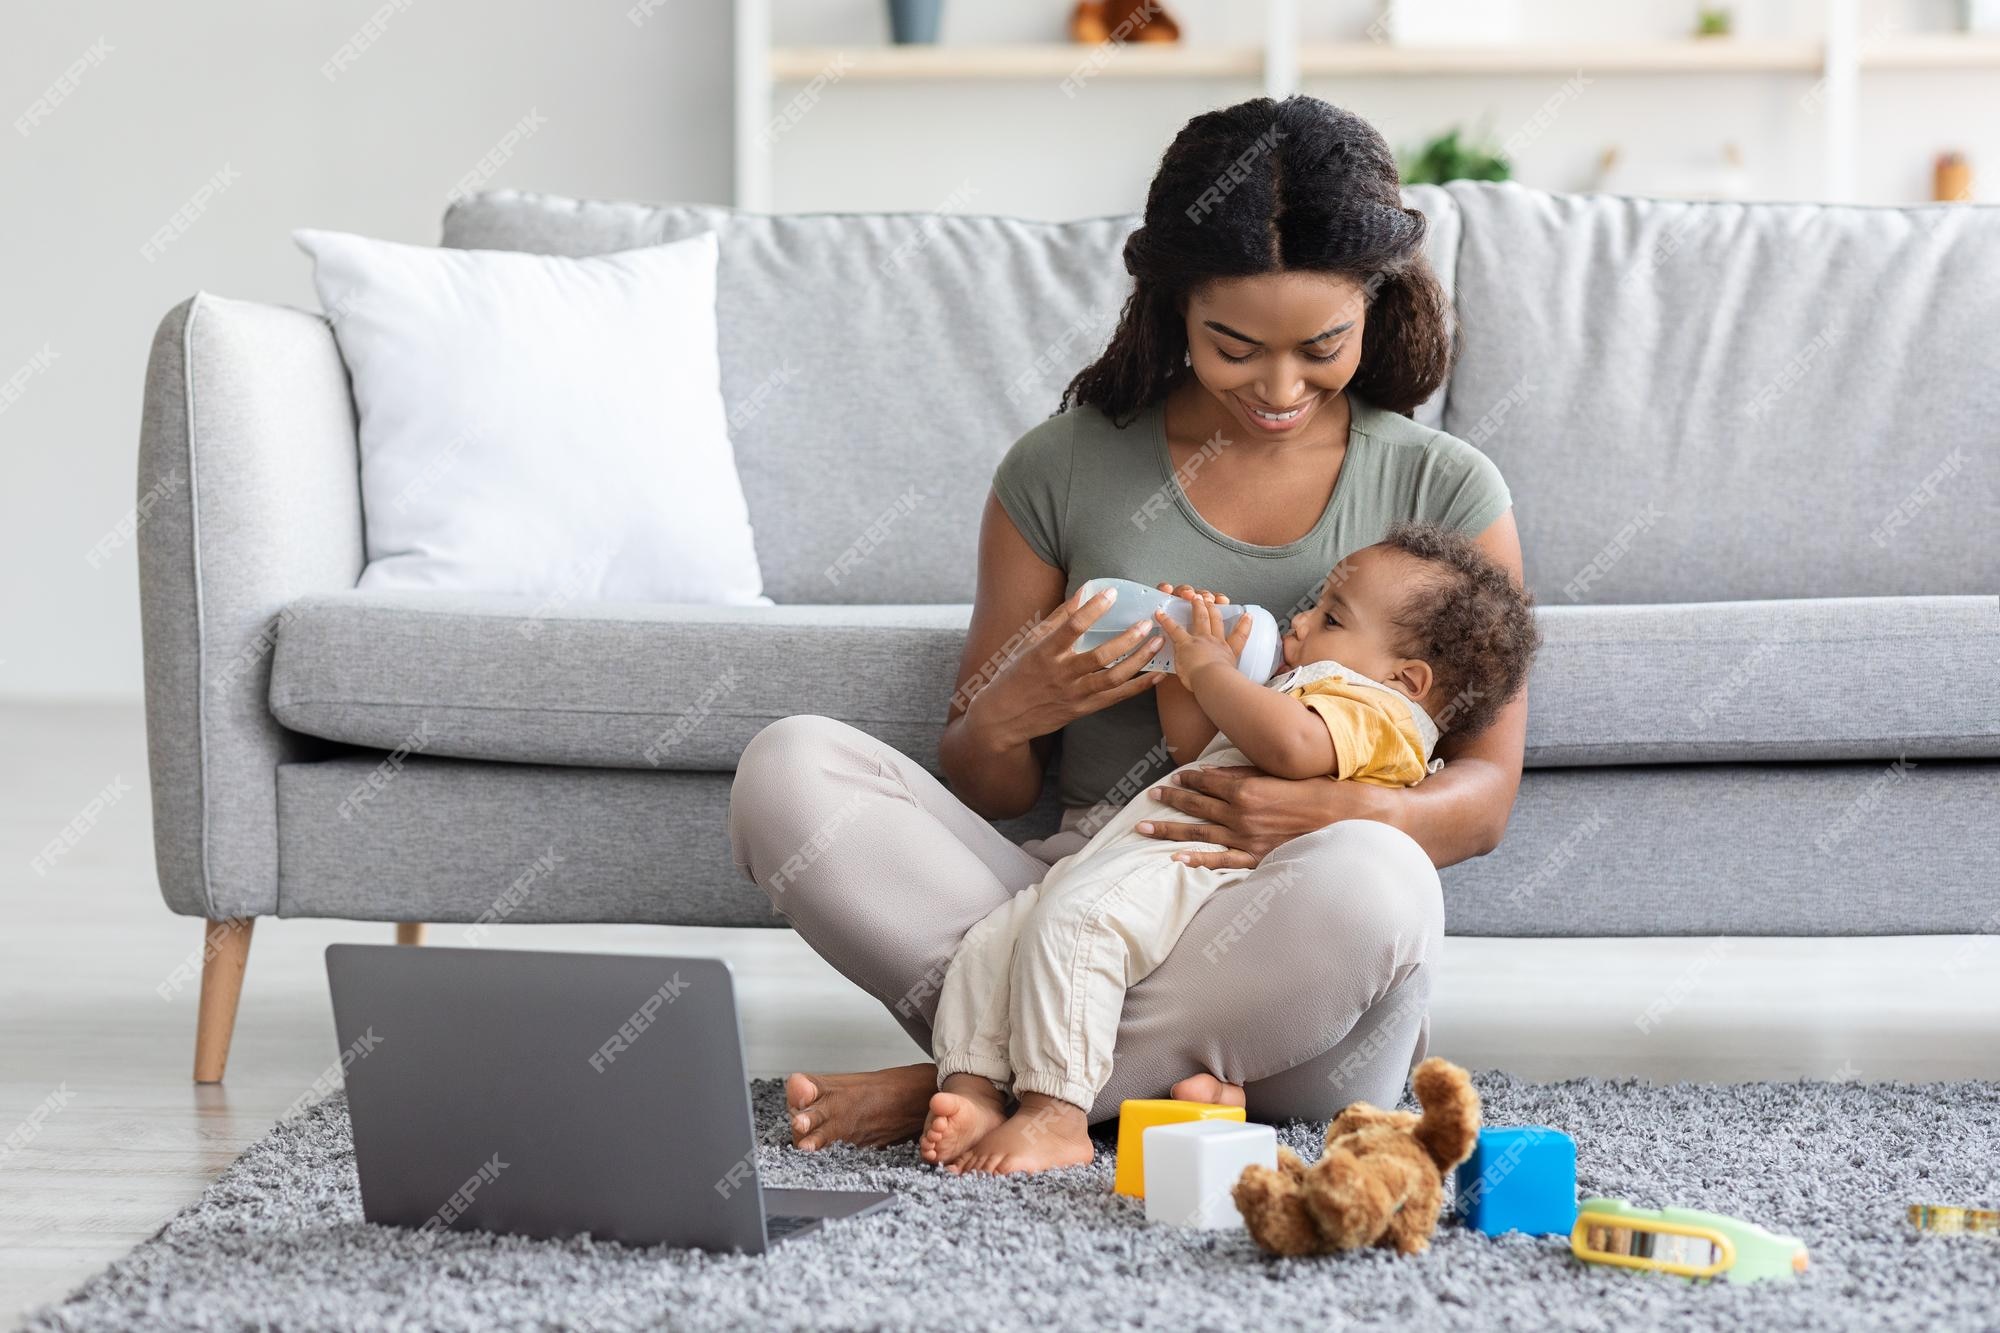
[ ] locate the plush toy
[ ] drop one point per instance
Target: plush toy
(1380, 1180)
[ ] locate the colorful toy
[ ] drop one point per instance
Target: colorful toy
(1137, 1116)
(1380, 1180)
(1683, 1242)
(1946, 1220)
(1521, 1178)
(1191, 1166)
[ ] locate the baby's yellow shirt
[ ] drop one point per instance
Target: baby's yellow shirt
(1379, 736)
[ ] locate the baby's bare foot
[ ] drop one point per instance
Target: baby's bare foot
(1208, 1088)
(963, 1112)
(873, 1109)
(1045, 1133)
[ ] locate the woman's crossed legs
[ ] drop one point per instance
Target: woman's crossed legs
(1307, 983)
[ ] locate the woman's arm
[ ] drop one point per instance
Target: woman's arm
(1455, 814)
(1019, 680)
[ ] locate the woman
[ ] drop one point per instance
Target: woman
(1245, 428)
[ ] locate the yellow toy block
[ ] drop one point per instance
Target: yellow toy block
(1137, 1116)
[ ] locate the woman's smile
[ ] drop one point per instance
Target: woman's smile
(1277, 420)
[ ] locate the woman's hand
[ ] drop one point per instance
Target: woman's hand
(1187, 592)
(1047, 684)
(1251, 813)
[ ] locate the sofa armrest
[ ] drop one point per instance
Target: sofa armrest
(249, 496)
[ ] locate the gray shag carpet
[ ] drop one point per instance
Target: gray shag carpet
(278, 1241)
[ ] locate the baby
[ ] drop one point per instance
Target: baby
(1414, 636)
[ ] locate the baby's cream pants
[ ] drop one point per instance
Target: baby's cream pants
(1032, 997)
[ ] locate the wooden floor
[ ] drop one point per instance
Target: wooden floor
(103, 1137)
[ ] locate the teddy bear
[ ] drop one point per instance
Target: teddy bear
(1380, 1180)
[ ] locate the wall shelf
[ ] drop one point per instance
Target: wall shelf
(1280, 63)
(1719, 55)
(1931, 50)
(1050, 60)
(1059, 60)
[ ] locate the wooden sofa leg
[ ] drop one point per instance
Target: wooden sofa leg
(225, 951)
(409, 932)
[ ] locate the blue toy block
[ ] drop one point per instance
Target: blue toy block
(1520, 1178)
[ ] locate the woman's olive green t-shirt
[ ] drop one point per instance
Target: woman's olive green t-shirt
(1096, 500)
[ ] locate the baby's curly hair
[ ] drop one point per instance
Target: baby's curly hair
(1470, 621)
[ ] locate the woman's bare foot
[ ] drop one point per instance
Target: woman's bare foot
(963, 1112)
(1045, 1133)
(869, 1110)
(1208, 1088)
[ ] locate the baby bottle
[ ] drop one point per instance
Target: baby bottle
(1262, 656)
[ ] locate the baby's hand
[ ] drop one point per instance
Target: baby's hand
(1203, 644)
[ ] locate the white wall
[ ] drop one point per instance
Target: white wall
(187, 90)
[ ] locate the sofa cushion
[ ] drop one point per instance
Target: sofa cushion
(1718, 401)
(1695, 849)
(1896, 848)
(686, 687)
(1833, 678)
(608, 685)
(573, 844)
(876, 366)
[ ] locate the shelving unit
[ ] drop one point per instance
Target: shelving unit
(1931, 50)
(1281, 62)
(1058, 60)
(1051, 60)
(1689, 56)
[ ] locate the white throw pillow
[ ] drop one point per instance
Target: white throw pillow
(540, 425)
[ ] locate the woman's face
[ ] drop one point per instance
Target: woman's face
(1275, 348)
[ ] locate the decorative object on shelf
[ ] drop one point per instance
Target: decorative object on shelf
(1450, 22)
(1097, 21)
(1447, 158)
(914, 22)
(1714, 21)
(1951, 179)
(1723, 176)
(1087, 25)
(1980, 15)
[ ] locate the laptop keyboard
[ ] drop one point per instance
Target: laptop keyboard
(777, 1228)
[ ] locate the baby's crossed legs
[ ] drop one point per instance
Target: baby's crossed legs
(1032, 998)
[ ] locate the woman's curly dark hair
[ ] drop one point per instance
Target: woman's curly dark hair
(1470, 621)
(1264, 187)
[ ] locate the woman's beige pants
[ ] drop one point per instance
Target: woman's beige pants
(1307, 980)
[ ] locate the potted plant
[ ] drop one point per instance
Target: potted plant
(1447, 158)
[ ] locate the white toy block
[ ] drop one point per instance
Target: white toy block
(1192, 1167)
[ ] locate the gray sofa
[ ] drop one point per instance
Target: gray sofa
(1754, 450)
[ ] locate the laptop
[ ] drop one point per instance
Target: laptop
(551, 1094)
